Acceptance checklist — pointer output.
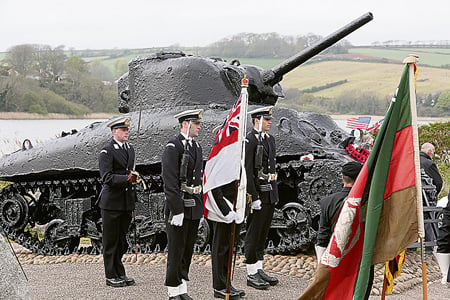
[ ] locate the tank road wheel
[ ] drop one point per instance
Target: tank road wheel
(296, 232)
(56, 236)
(14, 212)
(145, 234)
(203, 235)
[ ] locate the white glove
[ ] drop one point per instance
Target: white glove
(256, 205)
(177, 220)
(319, 252)
(230, 217)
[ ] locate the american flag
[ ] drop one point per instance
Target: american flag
(226, 161)
(375, 125)
(358, 123)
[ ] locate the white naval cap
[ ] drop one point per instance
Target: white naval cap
(265, 112)
(190, 115)
(119, 122)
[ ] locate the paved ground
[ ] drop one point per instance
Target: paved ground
(86, 281)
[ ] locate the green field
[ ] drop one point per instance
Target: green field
(427, 56)
(378, 78)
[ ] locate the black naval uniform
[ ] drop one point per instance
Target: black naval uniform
(258, 222)
(222, 236)
(181, 239)
(329, 206)
(117, 201)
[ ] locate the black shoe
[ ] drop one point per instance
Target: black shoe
(128, 280)
(115, 282)
(257, 282)
(185, 297)
(175, 298)
(271, 280)
(235, 290)
(222, 294)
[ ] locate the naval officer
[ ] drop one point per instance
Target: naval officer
(263, 191)
(182, 173)
(117, 200)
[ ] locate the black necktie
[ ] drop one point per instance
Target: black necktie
(124, 148)
(194, 150)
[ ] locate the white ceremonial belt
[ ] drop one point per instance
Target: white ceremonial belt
(269, 177)
(191, 189)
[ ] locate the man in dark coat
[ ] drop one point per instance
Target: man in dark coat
(182, 172)
(263, 190)
(330, 208)
(117, 200)
(430, 168)
(427, 164)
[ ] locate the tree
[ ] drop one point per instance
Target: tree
(120, 67)
(443, 103)
(99, 70)
(20, 58)
(50, 63)
(8, 92)
(75, 71)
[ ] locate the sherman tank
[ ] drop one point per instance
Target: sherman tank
(56, 183)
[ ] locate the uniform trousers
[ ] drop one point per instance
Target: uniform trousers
(258, 225)
(180, 241)
(115, 228)
(221, 252)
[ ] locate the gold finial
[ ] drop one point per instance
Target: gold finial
(244, 82)
(411, 59)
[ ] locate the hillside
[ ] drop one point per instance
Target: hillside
(436, 57)
(334, 82)
(379, 78)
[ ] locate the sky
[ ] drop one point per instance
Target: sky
(108, 24)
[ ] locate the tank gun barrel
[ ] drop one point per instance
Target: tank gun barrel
(274, 75)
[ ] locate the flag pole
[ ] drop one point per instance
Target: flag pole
(242, 128)
(383, 292)
(230, 256)
(411, 60)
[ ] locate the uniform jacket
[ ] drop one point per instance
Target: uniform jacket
(115, 164)
(268, 164)
(431, 169)
(171, 161)
(329, 206)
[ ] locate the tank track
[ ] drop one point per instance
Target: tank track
(67, 209)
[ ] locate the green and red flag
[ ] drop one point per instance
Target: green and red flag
(380, 217)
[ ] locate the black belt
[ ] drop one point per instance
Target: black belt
(265, 187)
(188, 202)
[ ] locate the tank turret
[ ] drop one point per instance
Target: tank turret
(56, 183)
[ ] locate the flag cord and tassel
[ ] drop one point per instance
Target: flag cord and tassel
(411, 61)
